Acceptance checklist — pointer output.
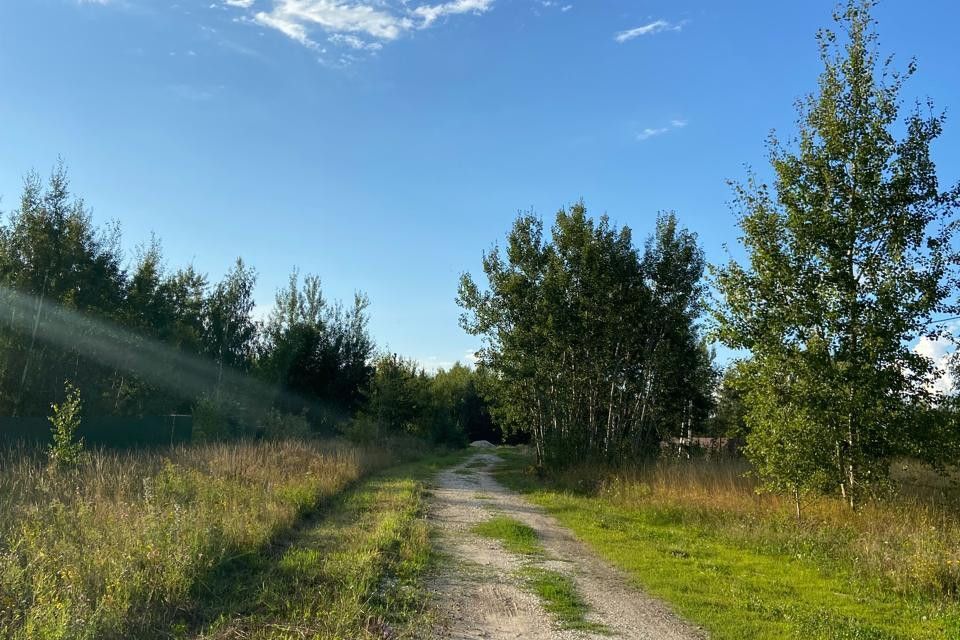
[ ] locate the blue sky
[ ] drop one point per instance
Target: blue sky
(384, 144)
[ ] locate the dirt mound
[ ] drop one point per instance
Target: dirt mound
(482, 444)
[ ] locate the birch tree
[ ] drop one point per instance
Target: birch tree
(849, 261)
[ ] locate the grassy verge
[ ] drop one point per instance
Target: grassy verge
(739, 565)
(352, 571)
(512, 534)
(117, 547)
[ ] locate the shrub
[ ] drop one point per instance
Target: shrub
(362, 430)
(211, 421)
(278, 425)
(66, 450)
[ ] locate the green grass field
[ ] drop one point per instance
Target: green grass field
(233, 540)
(353, 570)
(763, 579)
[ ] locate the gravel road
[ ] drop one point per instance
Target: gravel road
(479, 594)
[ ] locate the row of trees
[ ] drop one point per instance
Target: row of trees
(142, 339)
(447, 406)
(593, 345)
(850, 260)
(63, 280)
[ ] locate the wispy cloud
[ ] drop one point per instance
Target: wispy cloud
(429, 14)
(354, 42)
(550, 5)
(360, 25)
(651, 132)
(647, 29)
(194, 93)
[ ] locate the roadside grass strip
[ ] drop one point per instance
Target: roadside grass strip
(514, 535)
(560, 598)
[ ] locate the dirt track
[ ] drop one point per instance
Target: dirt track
(480, 595)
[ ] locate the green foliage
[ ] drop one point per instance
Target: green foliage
(66, 450)
(729, 416)
(460, 392)
(785, 441)
(212, 419)
(279, 425)
(317, 353)
(54, 261)
(591, 346)
(154, 341)
(228, 330)
(399, 399)
(362, 429)
(442, 408)
(850, 260)
(49, 248)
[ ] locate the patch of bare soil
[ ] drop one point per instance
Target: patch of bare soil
(477, 588)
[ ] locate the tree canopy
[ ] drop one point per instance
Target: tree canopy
(592, 347)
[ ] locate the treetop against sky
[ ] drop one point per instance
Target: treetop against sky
(385, 144)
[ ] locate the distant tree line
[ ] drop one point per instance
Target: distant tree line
(144, 339)
(446, 406)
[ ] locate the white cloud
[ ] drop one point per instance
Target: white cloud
(296, 18)
(650, 132)
(648, 29)
(290, 28)
(941, 352)
(354, 42)
(429, 14)
(354, 24)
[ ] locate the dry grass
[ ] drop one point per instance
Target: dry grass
(909, 541)
(116, 545)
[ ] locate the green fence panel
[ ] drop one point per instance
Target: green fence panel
(106, 431)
